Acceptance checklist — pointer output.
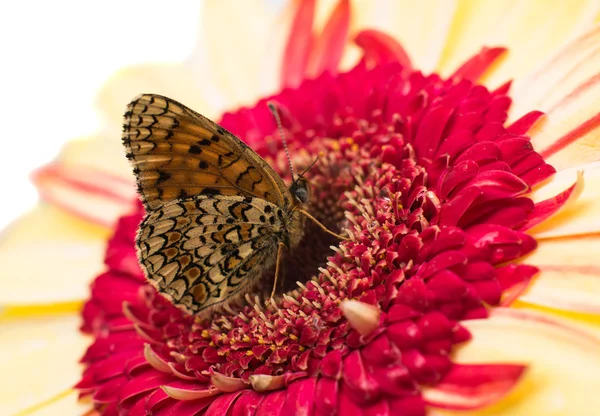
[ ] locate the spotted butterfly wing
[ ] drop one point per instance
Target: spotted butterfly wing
(216, 211)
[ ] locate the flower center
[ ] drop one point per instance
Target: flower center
(417, 170)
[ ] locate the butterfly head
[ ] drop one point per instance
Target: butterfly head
(300, 189)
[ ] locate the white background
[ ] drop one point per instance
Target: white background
(54, 55)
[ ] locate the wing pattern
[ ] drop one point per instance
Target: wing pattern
(201, 251)
(177, 153)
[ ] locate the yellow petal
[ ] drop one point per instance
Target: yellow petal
(420, 26)
(233, 40)
(531, 30)
(569, 277)
(563, 359)
(581, 215)
(38, 360)
(48, 256)
(63, 404)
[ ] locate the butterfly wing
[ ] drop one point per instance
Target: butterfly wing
(200, 252)
(177, 153)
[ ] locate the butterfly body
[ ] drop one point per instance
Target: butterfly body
(217, 213)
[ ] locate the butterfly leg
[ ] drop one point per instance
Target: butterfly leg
(279, 253)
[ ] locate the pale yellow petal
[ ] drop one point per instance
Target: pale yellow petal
(49, 222)
(569, 277)
(581, 215)
(473, 23)
(233, 40)
(557, 76)
(566, 87)
(104, 152)
(49, 256)
(531, 30)
(563, 359)
(94, 195)
(183, 83)
(269, 80)
(569, 134)
(38, 360)
(420, 26)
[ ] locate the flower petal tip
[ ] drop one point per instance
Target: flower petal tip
(225, 383)
(379, 47)
(361, 316)
(188, 394)
(264, 382)
(154, 360)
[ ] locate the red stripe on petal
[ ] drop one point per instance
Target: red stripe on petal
(474, 68)
(380, 48)
(572, 136)
(88, 180)
(545, 209)
(469, 387)
(327, 51)
(582, 336)
(298, 46)
(586, 269)
(89, 193)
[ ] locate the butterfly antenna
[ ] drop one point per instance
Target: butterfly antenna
(275, 113)
(311, 165)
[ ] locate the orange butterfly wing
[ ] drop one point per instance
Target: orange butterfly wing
(177, 153)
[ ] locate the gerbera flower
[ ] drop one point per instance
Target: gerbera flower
(437, 181)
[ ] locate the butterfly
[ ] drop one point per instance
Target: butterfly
(217, 215)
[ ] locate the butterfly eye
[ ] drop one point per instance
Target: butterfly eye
(302, 195)
(299, 189)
